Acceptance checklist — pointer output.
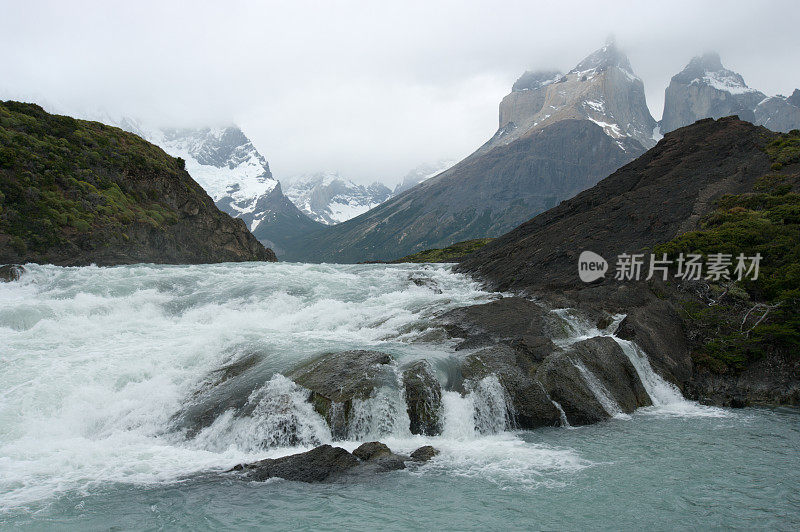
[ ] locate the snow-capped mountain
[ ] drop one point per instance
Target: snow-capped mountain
(233, 172)
(602, 88)
(328, 198)
(706, 89)
(421, 173)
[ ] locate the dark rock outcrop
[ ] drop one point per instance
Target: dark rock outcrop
(531, 405)
(336, 379)
(11, 272)
(423, 395)
(327, 463)
(104, 196)
(317, 465)
(424, 453)
(377, 457)
(585, 374)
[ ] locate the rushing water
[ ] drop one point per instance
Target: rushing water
(97, 364)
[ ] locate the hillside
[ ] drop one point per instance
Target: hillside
(74, 192)
(723, 186)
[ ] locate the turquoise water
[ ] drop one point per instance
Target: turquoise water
(97, 361)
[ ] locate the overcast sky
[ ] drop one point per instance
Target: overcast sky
(370, 89)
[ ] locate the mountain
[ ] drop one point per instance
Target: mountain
(724, 186)
(233, 172)
(330, 199)
(706, 89)
(421, 173)
(74, 192)
(558, 135)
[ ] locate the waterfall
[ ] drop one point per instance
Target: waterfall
(600, 392)
(660, 391)
(562, 415)
(281, 417)
(485, 409)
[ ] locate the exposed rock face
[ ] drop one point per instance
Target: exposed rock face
(379, 457)
(336, 379)
(130, 202)
(602, 88)
(556, 138)
(423, 395)
(706, 89)
(779, 113)
(11, 272)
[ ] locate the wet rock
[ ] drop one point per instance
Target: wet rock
(590, 378)
(11, 272)
(505, 319)
(424, 453)
(336, 379)
(379, 458)
(372, 449)
(317, 465)
(423, 395)
(515, 370)
(425, 282)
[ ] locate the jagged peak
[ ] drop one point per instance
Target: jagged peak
(532, 80)
(608, 56)
(794, 99)
(707, 69)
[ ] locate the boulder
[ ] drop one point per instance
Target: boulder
(592, 380)
(336, 379)
(515, 370)
(506, 319)
(11, 272)
(423, 395)
(424, 453)
(317, 465)
(378, 458)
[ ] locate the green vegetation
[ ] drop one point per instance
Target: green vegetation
(61, 178)
(449, 254)
(766, 221)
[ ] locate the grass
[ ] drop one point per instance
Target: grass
(765, 221)
(449, 254)
(61, 178)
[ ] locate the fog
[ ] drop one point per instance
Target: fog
(369, 89)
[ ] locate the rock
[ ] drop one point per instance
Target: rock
(506, 319)
(658, 329)
(317, 465)
(567, 376)
(532, 407)
(370, 450)
(11, 272)
(423, 395)
(336, 379)
(424, 453)
(379, 458)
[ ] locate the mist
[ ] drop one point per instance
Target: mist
(364, 88)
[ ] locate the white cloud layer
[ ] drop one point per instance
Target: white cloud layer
(370, 89)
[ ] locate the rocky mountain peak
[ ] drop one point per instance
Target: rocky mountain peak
(532, 80)
(606, 57)
(329, 198)
(602, 88)
(794, 99)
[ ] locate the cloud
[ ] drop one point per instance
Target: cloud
(367, 88)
